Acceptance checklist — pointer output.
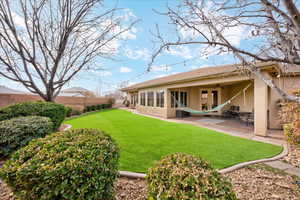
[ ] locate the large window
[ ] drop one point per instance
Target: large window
(178, 99)
(174, 99)
(160, 100)
(150, 98)
(183, 99)
(143, 98)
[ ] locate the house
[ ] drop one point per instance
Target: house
(206, 88)
(7, 90)
(76, 92)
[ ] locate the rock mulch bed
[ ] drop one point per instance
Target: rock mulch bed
(129, 189)
(256, 182)
(293, 157)
(260, 182)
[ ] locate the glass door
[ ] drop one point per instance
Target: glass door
(215, 98)
(204, 100)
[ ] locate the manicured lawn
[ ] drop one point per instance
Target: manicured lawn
(143, 140)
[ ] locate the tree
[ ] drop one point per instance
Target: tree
(45, 43)
(273, 29)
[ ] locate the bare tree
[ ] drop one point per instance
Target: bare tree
(272, 30)
(45, 43)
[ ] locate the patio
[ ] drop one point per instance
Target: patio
(228, 125)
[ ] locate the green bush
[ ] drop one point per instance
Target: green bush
(292, 134)
(99, 106)
(76, 112)
(68, 111)
(17, 132)
(93, 108)
(56, 112)
(70, 165)
(185, 177)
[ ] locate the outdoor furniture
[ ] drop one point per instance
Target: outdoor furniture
(247, 117)
(182, 114)
(233, 112)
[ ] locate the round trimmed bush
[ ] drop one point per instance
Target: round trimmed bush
(292, 133)
(17, 132)
(68, 165)
(56, 112)
(185, 177)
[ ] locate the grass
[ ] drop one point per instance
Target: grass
(144, 140)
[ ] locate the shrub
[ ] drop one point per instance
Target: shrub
(107, 105)
(292, 134)
(185, 177)
(76, 112)
(68, 111)
(56, 112)
(93, 108)
(17, 132)
(99, 106)
(74, 164)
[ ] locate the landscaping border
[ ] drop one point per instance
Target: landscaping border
(285, 151)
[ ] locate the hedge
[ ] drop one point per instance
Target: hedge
(70, 165)
(17, 132)
(56, 112)
(97, 107)
(185, 177)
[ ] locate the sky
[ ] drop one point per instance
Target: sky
(133, 55)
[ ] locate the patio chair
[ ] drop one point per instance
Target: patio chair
(247, 117)
(233, 112)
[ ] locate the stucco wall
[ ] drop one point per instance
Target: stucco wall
(288, 84)
(244, 101)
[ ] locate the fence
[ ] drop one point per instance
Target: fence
(74, 102)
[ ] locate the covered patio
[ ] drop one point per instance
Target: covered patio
(240, 104)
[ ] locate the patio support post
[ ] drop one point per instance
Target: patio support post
(260, 107)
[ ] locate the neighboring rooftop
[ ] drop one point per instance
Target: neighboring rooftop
(7, 90)
(76, 92)
(194, 74)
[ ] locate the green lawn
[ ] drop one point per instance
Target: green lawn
(143, 140)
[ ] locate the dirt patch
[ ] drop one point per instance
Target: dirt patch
(256, 182)
(293, 157)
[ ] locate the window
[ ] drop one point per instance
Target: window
(160, 99)
(174, 99)
(143, 98)
(150, 99)
(183, 99)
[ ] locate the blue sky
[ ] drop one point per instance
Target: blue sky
(133, 55)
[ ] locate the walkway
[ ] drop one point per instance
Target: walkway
(290, 169)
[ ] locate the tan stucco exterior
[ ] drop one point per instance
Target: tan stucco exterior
(258, 98)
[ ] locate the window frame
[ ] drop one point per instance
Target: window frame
(143, 98)
(150, 101)
(160, 98)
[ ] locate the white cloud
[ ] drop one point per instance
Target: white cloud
(182, 51)
(125, 69)
(163, 75)
(19, 21)
(137, 54)
(160, 68)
